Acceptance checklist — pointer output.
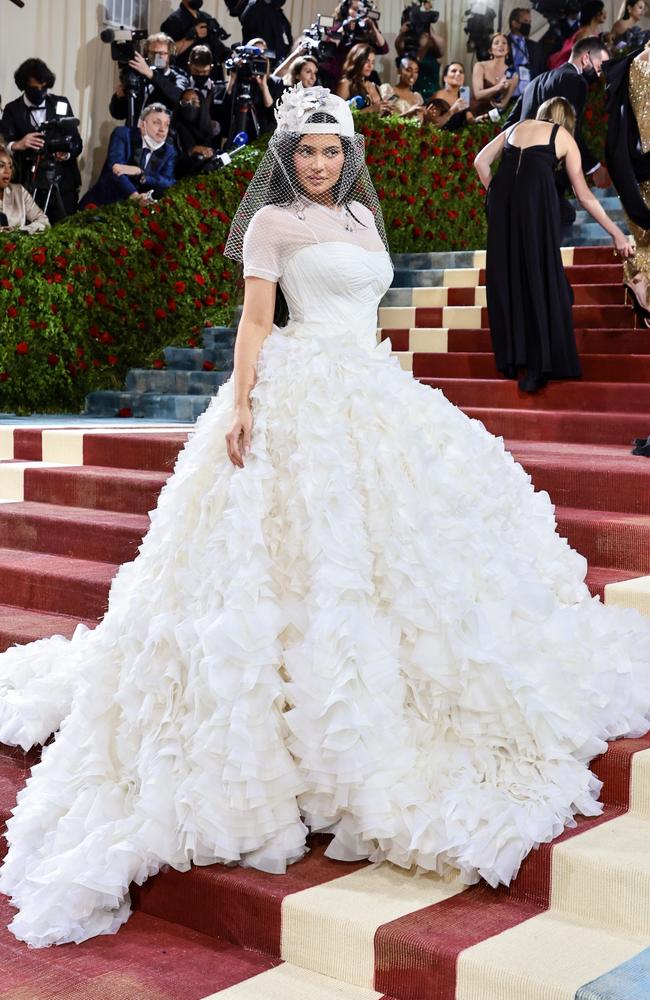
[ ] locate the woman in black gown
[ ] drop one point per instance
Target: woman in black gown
(528, 296)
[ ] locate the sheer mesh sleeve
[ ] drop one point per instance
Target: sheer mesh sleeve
(262, 246)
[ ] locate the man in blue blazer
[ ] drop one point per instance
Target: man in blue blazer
(140, 163)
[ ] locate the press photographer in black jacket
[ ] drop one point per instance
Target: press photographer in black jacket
(41, 156)
(188, 25)
(160, 82)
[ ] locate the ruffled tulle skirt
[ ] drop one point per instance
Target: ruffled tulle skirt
(372, 629)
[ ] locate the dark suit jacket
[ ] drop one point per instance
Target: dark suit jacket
(562, 82)
(536, 62)
(126, 147)
(16, 122)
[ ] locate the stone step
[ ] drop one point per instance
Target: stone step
(174, 383)
(109, 403)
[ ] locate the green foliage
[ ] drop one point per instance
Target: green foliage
(106, 290)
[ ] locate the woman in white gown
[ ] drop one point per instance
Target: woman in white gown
(351, 613)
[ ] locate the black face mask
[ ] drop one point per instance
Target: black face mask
(524, 29)
(195, 4)
(590, 75)
(200, 82)
(189, 112)
(35, 95)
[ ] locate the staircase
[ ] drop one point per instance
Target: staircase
(575, 925)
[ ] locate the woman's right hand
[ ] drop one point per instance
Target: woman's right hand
(459, 105)
(622, 245)
(238, 438)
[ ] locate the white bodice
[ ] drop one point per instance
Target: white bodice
(332, 277)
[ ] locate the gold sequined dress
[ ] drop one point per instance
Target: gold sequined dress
(640, 102)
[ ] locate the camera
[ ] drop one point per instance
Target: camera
(214, 30)
(122, 42)
(355, 28)
(419, 21)
(557, 10)
(479, 29)
(58, 135)
(320, 39)
(247, 61)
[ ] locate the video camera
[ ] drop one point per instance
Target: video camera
(248, 61)
(122, 42)
(556, 11)
(479, 29)
(355, 28)
(419, 21)
(58, 134)
(320, 39)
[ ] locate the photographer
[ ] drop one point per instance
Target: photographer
(151, 76)
(18, 210)
(189, 26)
(353, 25)
(212, 94)
(250, 92)
(191, 134)
(418, 40)
(265, 19)
(140, 162)
(43, 154)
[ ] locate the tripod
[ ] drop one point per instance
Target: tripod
(242, 107)
(47, 179)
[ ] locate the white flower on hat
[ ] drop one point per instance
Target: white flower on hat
(297, 104)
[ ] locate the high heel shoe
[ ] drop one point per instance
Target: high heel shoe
(636, 288)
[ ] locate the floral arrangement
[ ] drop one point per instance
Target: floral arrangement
(109, 288)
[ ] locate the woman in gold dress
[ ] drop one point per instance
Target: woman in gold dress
(628, 160)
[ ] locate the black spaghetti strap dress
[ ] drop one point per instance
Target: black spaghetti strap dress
(529, 298)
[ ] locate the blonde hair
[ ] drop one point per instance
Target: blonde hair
(158, 39)
(558, 110)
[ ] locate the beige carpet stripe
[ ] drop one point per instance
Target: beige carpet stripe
(603, 876)
(331, 927)
(633, 593)
(546, 958)
(640, 784)
(286, 982)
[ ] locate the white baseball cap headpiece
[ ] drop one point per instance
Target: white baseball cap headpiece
(299, 104)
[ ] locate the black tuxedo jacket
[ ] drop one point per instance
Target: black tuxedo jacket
(16, 122)
(562, 82)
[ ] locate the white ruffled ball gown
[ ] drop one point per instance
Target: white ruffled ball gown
(372, 629)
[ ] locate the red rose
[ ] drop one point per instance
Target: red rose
(80, 352)
(191, 200)
(19, 273)
(88, 299)
(159, 363)
(126, 411)
(121, 293)
(224, 296)
(208, 366)
(22, 347)
(53, 359)
(200, 280)
(179, 287)
(6, 284)
(160, 313)
(106, 338)
(171, 305)
(112, 359)
(39, 257)
(3, 376)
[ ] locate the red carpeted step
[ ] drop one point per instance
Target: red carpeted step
(150, 452)
(588, 478)
(399, 339)
(149, 959)
(590, 342)
(19, 625)
(608, 538)
(586, 274)
(131, 491)
(240, 904)
(595, 397)
(599, 576)
(58, 584)
(102, 536)
(584, 295)
(595, 367)
(594, 255)
(589, 316)
(562, 425)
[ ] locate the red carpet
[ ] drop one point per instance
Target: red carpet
(202, 931)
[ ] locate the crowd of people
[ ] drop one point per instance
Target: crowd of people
(187, 94)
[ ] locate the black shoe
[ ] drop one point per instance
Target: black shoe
(532, 383)
(642, 447)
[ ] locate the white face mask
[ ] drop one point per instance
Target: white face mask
(151, 143)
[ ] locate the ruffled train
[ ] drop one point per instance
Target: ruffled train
(373, 629)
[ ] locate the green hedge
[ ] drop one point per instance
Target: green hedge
(106, 290)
